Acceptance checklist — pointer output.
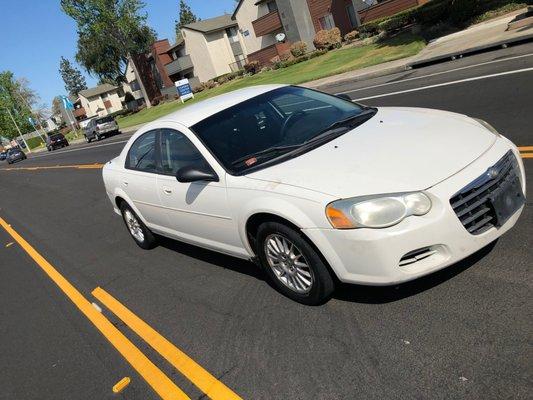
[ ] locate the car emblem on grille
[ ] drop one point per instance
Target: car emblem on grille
(493, 172)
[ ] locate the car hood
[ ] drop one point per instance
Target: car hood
(398, 150)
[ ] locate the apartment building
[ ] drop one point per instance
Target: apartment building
(260, 22)
(214, 46)
(100, 100)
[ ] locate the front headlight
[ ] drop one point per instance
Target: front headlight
(376, 212)
(485, 124)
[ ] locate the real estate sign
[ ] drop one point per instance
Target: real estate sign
(184, 89)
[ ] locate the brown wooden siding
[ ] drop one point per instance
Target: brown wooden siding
(268, 53)
(337, 8)
(107, 104)
(79, 112)
(387, 8)
(267, 24)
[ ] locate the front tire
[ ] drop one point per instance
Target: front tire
(293, 265)
(144, 238)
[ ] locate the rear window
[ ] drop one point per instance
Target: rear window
(104, 120)
(56, 136)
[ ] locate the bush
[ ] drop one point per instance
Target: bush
(327, 39)
(286, 56)
(253, 67)
(351, 36)
(298, 49)
(128, 97)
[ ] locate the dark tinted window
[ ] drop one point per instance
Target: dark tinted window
(57, 136)
(142, 155)
(177, 151)
(288, 116)
(104, 120)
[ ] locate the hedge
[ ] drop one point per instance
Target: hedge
(455, 12)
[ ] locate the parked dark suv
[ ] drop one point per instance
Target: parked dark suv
(15, 154)
(97, 128)
(56, 141)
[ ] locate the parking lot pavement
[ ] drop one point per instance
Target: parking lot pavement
(464, 332)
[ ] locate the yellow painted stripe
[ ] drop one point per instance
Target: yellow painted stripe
(525, 148)
(76, 166)
(203, 380)
(153, 375)
(526, 155)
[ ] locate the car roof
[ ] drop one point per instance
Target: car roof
(196, 112)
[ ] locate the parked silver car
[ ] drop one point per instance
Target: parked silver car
(101, 127)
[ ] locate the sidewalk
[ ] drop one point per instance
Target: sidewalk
(486, 35)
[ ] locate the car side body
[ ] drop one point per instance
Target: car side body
(398, 150)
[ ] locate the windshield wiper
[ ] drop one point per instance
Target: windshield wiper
(266, 152)
(340, 126)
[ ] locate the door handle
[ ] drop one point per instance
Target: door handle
(125, 183)
(167, 190)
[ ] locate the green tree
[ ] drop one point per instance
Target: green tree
(186, 16)
(16, 98)
(72, 77)
(108, 32)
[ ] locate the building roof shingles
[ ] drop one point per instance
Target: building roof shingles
(97, 90)
(212, 24)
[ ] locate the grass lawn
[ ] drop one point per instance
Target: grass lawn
(331, 63)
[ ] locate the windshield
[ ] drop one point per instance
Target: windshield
(276, 123)
(104, 120)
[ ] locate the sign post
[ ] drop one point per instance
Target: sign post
(184, 89)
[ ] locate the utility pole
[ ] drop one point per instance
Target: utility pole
(18, 129)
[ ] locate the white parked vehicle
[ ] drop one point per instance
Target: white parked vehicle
(317, 188)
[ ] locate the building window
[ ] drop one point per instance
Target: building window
(351, 15)
(232, 34)
(326, 22)
(272, 6)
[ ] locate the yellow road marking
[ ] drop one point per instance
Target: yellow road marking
(203, 380)
(153, 375)
(121, 385)
(526, 155)
(75, 166)
(525, 148)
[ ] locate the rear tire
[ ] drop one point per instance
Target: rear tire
(144, 238)
(297, 271)
(87, 139)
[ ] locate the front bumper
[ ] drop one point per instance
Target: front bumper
(372, 256)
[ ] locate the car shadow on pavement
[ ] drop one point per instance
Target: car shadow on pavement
(218, 259)
(389, 294)
(344, 292)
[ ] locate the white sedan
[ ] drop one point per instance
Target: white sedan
(317, 189)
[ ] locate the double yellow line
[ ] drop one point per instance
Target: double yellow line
(75, 166)
(526, 151)
(161, 383)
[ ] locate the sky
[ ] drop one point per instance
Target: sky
(34, 34)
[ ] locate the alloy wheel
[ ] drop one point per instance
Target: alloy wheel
(288, 263)
(134, 226)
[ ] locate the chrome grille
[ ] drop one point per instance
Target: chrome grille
(471, 204)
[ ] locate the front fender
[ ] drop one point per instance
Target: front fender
(291, 211)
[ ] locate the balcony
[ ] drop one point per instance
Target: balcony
(178, 65)
(79, 112)
(267, 24)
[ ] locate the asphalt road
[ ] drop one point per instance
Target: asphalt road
(464, 332)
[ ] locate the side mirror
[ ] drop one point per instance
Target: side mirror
(196, 173)
(344, 96)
